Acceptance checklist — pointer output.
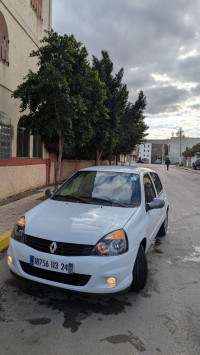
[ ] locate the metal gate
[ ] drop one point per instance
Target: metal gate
(5, 136)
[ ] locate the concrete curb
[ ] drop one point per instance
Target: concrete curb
(4, 240)
(188, 169)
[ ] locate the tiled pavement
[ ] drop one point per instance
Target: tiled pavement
(10, 212)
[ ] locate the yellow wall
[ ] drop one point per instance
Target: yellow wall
(16, 179)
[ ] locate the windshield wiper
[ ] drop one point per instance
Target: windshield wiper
(107, 201)
(70, 197)
(81, 199)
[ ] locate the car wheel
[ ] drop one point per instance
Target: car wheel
(163, 229)
(140, 271)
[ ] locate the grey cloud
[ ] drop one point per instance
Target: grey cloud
(196, 91)
(195, 107)
(165, 99)
(187, 69)
(148, 34)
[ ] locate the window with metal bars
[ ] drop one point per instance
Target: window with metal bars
(23, 143)
(37, 146)
(5, 141)
(37, 7)
(4, 41)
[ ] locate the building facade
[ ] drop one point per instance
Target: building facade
(178, 146)
(153, 149)
(145, 150)
(23, 160)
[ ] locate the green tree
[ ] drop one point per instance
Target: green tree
(94, 95)
(192, 151)
(132, 128)
(106, 131)
(63, 97)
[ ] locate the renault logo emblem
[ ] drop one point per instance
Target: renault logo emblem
(53, 247)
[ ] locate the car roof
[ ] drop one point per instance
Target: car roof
(118, 168)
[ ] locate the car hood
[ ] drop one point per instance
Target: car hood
(75, 222)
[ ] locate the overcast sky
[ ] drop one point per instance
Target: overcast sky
(157, 42)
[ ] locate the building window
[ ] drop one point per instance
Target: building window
(37, 7)
(37, 146)
(23, 142)
(5, 139)
(4, 41)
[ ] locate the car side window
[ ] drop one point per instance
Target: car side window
(148, 189)
(157, 183)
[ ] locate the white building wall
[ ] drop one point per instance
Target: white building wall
(25, 31)
(174, 152)
(145, 151)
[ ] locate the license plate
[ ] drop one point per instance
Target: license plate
(52, 265)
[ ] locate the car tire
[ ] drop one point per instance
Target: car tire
(140, 271)
(163, 229)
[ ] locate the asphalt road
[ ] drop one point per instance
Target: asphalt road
(163, 319)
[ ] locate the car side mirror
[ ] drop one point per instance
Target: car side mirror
(155, 204)
(49, 193)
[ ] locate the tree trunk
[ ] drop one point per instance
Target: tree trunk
(98, 156)
(58, 165)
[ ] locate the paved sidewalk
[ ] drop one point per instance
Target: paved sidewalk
(10, 212)
(189, 169)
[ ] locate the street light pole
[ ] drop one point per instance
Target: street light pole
(180, 134)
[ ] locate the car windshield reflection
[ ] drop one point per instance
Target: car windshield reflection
(108, 188)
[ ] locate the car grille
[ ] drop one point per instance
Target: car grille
(74, 279)
(65, 249)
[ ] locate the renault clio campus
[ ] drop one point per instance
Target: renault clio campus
(92, 234)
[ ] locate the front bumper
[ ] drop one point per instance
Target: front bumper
(98, 268)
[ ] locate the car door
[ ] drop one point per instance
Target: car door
(152, 216)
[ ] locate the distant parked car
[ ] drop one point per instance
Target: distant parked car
(196, 165)
(145, 160)
(158, 161)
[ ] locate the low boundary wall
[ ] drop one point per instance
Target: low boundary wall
(19, 175)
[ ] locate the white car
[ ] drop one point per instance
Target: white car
(93, 233)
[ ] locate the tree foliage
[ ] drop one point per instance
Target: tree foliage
(106, 132)
(192, 151)
(78, 108)
(64, 97)
(133, 127)
(126, 126)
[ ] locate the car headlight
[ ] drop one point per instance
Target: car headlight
(114, 243)
(18, 230)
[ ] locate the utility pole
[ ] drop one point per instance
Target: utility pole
(163, 151)
(180, 135)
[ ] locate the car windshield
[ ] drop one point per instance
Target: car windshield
(97, 187)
